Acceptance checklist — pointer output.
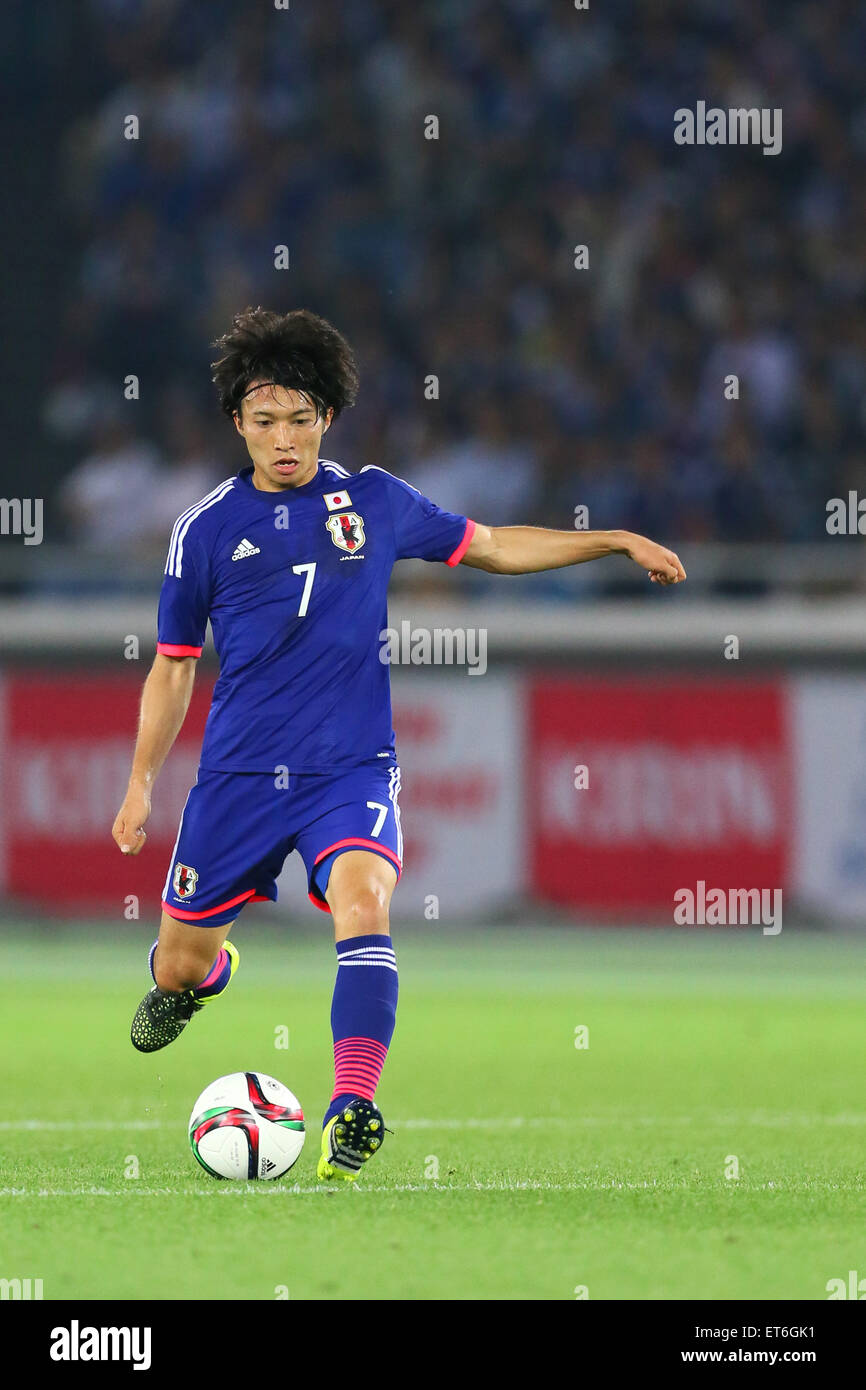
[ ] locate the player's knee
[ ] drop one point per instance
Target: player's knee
(179, 970)
(364, 913)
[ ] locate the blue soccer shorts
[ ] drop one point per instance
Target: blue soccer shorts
(238, 828)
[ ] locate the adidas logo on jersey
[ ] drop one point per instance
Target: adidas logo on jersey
(244, 549)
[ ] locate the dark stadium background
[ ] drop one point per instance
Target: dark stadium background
(451, 256)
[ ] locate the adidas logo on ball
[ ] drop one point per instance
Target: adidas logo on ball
(244, 549)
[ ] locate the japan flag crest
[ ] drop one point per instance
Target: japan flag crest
(347, 531)
(185, 880)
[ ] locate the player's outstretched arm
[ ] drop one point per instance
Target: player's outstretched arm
(528, 549)
(164, 703)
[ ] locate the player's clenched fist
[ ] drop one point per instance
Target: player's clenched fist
(661, 564)
(128, 829)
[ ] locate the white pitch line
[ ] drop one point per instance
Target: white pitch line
(242, 1191)
(780, 1121)
(83, 1124)
(489, 1122)
(729, 1119)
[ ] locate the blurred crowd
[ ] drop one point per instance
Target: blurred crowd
(454, 258)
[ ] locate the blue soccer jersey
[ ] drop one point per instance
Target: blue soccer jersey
(295, 586)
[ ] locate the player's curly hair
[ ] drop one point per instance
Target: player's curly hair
(299, 351)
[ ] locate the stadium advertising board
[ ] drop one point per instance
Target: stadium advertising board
(460, 744)
(639, 789)
(67, 752)
(828, 715)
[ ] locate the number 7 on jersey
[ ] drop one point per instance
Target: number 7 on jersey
(310, 571)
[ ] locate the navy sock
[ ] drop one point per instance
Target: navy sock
(216, 979)
(363, 1014)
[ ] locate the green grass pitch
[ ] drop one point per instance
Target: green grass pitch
(521, 1167)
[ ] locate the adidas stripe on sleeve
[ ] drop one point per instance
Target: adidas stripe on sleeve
(184, 601)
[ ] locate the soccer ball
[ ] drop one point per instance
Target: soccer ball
(246, 1126)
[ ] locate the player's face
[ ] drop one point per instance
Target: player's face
(283, 434)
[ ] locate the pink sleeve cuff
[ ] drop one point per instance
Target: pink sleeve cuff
(464, 544)
(171, 649)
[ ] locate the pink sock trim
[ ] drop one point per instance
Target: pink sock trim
(358, 1064)
(216, 969)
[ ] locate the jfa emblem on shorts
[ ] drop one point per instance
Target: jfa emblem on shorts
(347, 530)
(184, 880)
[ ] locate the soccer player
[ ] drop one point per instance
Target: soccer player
(290, 561)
